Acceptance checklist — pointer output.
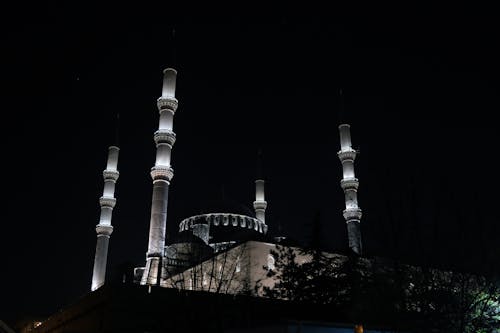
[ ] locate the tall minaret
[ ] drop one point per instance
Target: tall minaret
(349, 184)
(161, 174)
(260, 203)
(104, 228)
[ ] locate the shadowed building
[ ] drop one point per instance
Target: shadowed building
(136, 308)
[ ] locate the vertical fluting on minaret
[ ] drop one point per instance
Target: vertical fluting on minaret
(349, 184)
(161, 174)
(104, 228)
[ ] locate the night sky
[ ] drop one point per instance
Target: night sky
(421, 95)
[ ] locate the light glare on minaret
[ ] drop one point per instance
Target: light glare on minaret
(104, 228)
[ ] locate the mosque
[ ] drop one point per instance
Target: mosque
(222, 250)
(205, 277)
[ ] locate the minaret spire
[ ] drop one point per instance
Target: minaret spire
(260, 203)
(349, 184)
(104, 228)
(117, 130)
(343, 115)
(174, 47)
(161, 174)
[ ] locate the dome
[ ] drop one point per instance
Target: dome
(222, 221)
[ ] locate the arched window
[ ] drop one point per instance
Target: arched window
(238, 265)
(205, 282)
(220, 272)
(270, 262)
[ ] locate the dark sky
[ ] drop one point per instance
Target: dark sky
(421, 95)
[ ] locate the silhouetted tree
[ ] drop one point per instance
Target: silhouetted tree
(387, 292)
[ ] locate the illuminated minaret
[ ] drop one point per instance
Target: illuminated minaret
(260, 203)
(349, 184)
(104, 228)
(161, 174)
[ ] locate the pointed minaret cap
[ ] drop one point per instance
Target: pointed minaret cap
(343, 115)
(260, 165)
(169, 81)
(116, 124)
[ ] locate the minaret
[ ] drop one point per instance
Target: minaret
(104, 228)
(161, 174)
(260, 203)
(349, 184)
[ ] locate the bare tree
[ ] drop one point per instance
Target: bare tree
(225, 272)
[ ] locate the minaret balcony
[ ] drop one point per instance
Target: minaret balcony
(110, 175)
(349, 184)
(347, 155)
(352, 214)
(164, 136)
(259, 205)
(107, 202)
(103, 229)
(167, 103)
(159, 172)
